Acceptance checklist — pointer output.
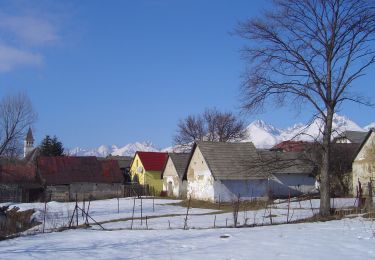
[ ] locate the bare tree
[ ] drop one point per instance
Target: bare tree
(213, 125)
(223, 126)
(309, 52)
(189, 130)
(16, 115)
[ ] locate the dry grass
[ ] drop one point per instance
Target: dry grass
(16, 222)
(224, 207)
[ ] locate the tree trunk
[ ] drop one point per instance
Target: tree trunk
(324, 172)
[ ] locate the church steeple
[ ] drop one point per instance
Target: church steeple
(28, 144)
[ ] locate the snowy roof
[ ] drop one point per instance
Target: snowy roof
(231, 161)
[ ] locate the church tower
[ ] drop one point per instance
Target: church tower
(28, 143)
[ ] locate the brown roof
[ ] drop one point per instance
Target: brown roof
(70, 169)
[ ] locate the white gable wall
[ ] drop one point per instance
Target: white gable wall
(200, 185)
(170, 176)
(364, 165)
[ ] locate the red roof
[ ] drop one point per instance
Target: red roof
(13, 172)
(69, 169)
(153, 161)
(291, 146)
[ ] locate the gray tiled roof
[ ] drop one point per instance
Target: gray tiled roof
(356, 137)
(123, 161)
(286, 162)
(232, 161)
(180, 162)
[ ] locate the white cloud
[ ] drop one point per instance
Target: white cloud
(11, 58)
(22, 37)
(29, 30)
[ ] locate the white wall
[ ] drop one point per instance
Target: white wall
(170, 175)
(364, 165)
(200, 184)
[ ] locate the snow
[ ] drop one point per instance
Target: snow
(59, 213)
(344, 239)
(105, 150)
(264, 135)
(368, 127)
(206, 234)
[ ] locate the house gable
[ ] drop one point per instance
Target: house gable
(367, 149)
(169, 169)
(137, 170)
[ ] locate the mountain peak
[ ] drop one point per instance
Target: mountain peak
(264, 135)
(105, 150)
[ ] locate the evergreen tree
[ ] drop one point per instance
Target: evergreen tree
(51, 147)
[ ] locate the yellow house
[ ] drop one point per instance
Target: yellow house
(146, 169)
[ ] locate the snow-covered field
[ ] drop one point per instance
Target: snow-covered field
(166, 239)
(344, 239)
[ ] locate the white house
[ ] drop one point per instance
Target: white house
(223, 171)
(364, 163)
(173, 173)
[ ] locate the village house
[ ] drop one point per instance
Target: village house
(146, 169)
(173, 174)
(220, 171)
(364, 164)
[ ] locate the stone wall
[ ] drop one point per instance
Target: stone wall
(10, 193)
(85, 191)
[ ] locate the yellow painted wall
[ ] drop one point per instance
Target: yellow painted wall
(151, 178)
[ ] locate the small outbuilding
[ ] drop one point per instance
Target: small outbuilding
(173, 174)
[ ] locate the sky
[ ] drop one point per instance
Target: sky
(117, 72)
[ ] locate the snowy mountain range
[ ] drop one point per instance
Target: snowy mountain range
(104, 150)
(263, 135)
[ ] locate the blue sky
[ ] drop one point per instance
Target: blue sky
(114, 72)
